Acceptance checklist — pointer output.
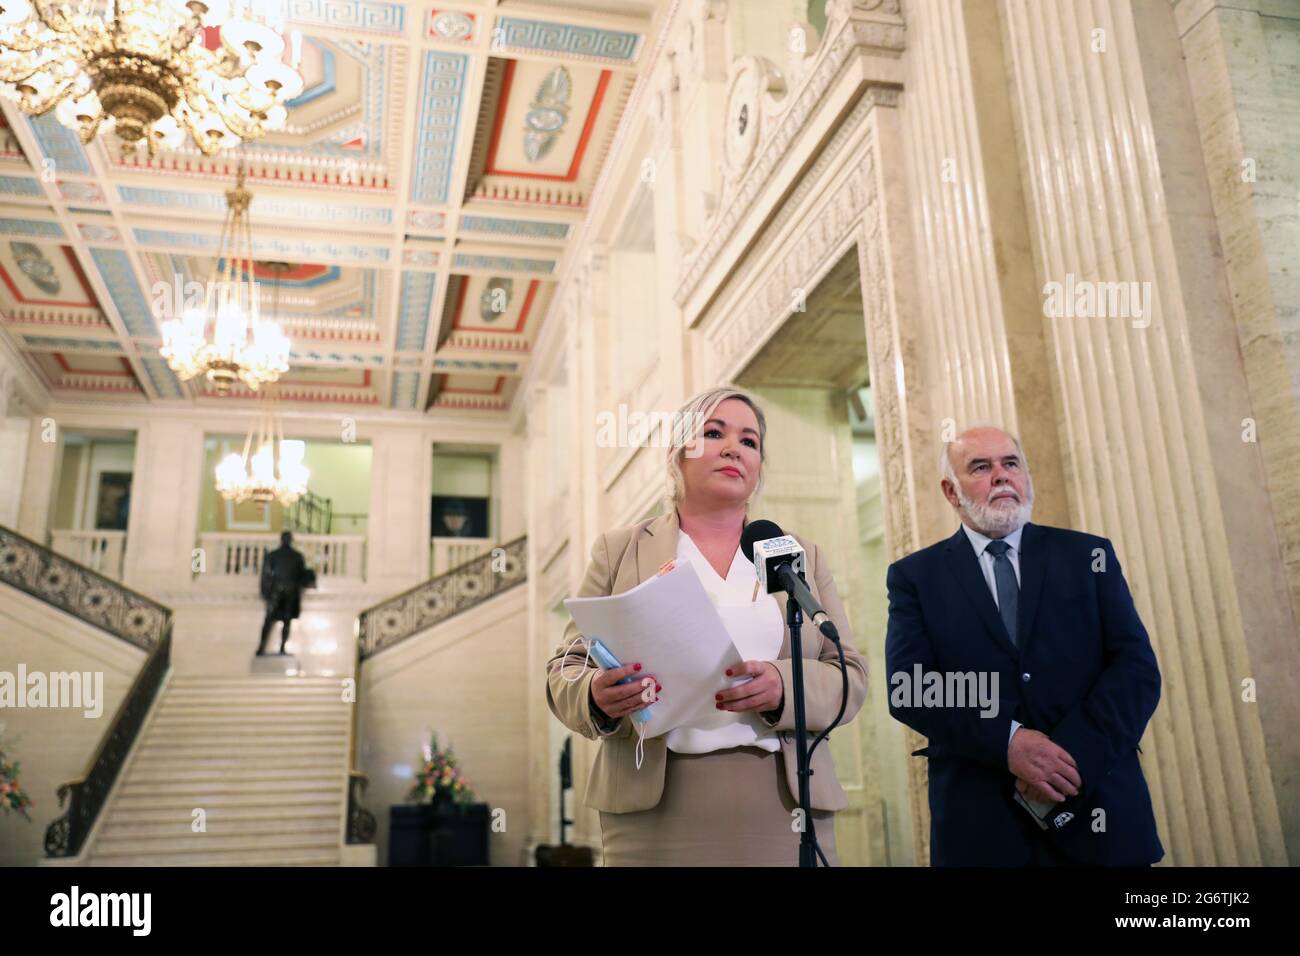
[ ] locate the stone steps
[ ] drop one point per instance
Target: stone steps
(247, 736)
(303, 708)
(257, 798)
(274, 856)
(279, 683)
(228, 693)
(218, 841)
(233, 760)
(184, 730)
(265, 758)
(174, 822)
(227, 784)
(249, 778)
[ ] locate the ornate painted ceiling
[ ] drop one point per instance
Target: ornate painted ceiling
(423, 191)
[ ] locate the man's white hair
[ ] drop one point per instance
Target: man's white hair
(946, 469)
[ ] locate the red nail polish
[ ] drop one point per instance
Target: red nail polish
(717, 697)
(719, 706)
(636, 667)
(728, 671)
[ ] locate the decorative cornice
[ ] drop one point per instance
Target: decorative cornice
(474, 403)
(811, 180)
(745, 329)
(487, 342)
(852, 35)
(582, 43)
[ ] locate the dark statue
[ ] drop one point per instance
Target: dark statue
(284, 576)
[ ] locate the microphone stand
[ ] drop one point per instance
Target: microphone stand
(807, 836)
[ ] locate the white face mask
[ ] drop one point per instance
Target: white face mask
(640, 724)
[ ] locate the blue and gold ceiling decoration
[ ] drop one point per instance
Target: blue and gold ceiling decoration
(430, 174)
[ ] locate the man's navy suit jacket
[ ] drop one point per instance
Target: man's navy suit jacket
(1083, 673)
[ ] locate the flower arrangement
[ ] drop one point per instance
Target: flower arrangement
(440, 778)
(12, 796)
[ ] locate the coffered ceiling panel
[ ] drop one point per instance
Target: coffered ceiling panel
(416, 209)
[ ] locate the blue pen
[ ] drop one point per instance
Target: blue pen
(606, 660)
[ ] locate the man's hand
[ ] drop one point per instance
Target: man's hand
(1048, 771)
(1030, 792)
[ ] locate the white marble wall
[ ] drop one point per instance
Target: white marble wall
(468, 680)
(53, 745)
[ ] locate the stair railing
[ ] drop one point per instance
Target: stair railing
(311, 514)
(394, 620)
(117, 610)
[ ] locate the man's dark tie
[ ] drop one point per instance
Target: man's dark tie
(1004, 575)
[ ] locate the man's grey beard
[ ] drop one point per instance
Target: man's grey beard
(995, 521)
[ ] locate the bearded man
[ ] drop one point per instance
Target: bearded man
(1044, 770)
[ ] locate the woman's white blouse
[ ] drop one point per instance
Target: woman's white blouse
(757, 630)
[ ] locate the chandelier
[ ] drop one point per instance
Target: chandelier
(151, 71)
(225, 337)
(270, 468)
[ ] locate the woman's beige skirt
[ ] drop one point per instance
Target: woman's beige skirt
(725, 808)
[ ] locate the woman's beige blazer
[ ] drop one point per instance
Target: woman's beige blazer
(622, 559)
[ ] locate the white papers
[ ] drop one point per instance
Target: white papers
(670, 626)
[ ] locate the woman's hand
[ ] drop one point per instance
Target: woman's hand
(765, 692)
(616, 700)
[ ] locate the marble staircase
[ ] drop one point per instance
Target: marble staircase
(265, 758)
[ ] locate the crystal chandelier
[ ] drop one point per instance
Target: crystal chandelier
(151, 71)
(270, 468)
(226, 339)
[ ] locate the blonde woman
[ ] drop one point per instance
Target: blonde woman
(721, 795)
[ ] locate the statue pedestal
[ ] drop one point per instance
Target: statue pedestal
(278, 664)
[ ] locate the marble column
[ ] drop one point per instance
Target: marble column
(1136, 450)
(1239, 60)
(985, 349)
(511, 468)
(162, 530)
(44, 455)
(397, 540)
(15, 432)
(14, 438)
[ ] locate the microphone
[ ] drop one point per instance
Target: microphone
(778, 560)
